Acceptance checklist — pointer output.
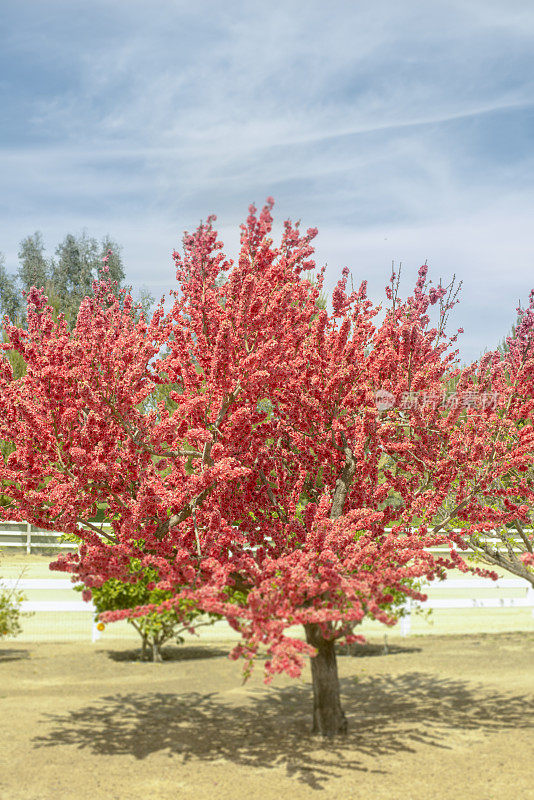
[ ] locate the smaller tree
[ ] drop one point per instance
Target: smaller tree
(80, 261)
(10, 613)
(34, 268)
(155, 628)
(11, 303)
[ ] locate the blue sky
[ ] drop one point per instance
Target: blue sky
(403, 131)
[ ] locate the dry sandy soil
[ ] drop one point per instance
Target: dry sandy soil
(437, 718)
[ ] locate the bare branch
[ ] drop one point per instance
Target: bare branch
(491, 555)
(521, 531)
(186, 512)
(278, 508)
(197, 540)
(343, 483)
(100, 530)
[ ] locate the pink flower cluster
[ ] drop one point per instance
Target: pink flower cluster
(271, 519)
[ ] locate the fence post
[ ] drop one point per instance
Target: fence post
(28, 538)
(95, 633)
(530, 597)
(405, 623)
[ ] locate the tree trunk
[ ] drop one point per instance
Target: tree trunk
(156, 651)
(328, 716)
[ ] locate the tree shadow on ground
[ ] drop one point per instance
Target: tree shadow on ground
(190, 653)
(170, 653)
(11, 654)
(269, 728)
(368, 649)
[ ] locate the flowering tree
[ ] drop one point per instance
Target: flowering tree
(264, 488)
(494, 491)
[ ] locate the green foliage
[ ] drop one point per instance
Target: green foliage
(397, 606)
(155, 628)
(34, 268)
(10, 613)
(10, 297)
(73, 272)
(79, 263)
(504, 347)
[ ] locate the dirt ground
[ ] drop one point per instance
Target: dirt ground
(436, 718)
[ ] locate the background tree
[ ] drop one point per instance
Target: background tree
(145, 302)
(73, 271)
(34, 269)
(10, 297)
(498, 489)
(109, 264)
(10, 613)
(79, 262)
(503, 347)
(67, 279)
(270, 516)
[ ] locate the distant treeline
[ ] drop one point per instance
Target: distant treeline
(67, 277)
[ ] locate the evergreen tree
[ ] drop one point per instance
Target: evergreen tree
(34, 269)
(113, 267)
(10, 296)
(80, 261)
(73, 272)
(504, 346)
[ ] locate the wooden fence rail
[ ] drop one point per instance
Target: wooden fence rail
(29, 537)
(56, 606)
(524, 599)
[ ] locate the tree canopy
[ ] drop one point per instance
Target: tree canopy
(291, 480)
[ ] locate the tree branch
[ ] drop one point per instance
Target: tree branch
(278, 508)
(523, 535)
(343, 483)
(453, 513)
(100, 531)
(493, 556)
(186, 512)
(206, 454)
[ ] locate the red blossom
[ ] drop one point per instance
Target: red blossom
(263, 492)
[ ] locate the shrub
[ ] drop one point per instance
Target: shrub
(10, 613)
(155, 627)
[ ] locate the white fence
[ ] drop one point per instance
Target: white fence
(56, 606)
(24, 536)
(21, 535)
(524, 598)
